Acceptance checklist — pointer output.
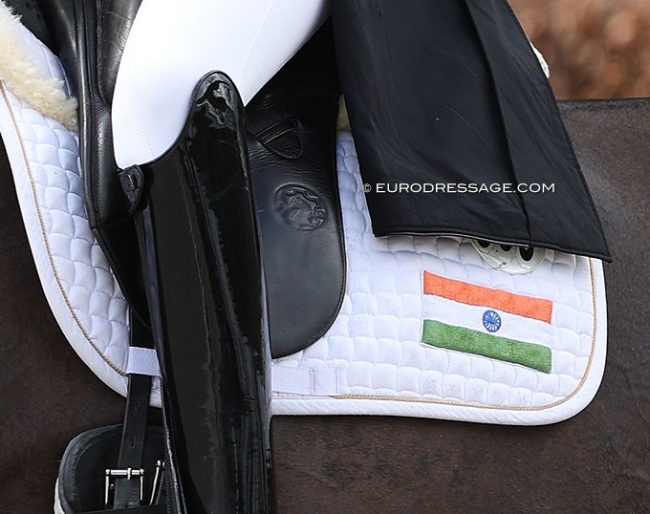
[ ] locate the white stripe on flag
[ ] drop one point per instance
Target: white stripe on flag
(515, 327)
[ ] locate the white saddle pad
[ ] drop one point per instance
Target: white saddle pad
(427, 328)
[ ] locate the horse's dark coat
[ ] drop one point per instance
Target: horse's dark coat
(46, 396)
(599, 461)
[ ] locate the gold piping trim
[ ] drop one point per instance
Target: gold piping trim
(45, 239)
(500, 407)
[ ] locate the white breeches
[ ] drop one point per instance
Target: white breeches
(173, 44)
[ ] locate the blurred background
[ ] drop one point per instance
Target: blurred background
(595, 48)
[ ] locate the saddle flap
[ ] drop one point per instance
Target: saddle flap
(291, 143)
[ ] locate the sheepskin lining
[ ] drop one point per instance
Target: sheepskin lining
(25, 79)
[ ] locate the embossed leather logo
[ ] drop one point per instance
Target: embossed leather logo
(300, 207)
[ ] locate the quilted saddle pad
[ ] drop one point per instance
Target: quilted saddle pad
(427, 327)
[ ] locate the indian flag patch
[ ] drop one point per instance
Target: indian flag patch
(493, 323)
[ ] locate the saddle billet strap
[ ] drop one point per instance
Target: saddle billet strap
(128, 493)
(118, 468)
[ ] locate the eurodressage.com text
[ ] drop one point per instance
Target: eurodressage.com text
(457, 188)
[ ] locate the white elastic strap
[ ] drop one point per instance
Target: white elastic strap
(311, 382)
(143, 361)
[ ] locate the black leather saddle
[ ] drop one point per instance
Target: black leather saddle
(291, 139)
(89, 38)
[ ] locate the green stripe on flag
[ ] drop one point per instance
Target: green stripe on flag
(460, 339)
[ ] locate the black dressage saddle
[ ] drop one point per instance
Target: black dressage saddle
(291, 138)
(289, 133)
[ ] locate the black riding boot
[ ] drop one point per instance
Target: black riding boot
(200, 250)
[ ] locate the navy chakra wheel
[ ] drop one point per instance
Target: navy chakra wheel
(491, 321)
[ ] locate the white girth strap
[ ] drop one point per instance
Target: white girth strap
(286, 380)
(303, 381)
(172, 45)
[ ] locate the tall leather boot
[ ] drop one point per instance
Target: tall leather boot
(194, 211)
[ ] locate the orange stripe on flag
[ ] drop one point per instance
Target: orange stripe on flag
(528, 306)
